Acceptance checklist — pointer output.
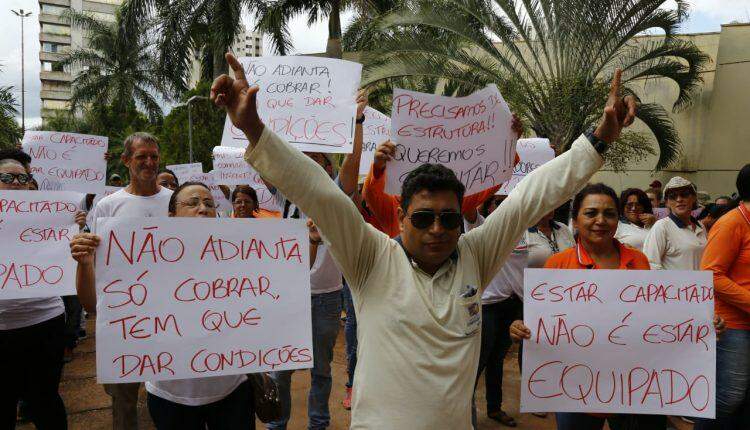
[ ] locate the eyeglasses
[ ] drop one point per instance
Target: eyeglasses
(425, 218)
(22, 178)
(194, 203)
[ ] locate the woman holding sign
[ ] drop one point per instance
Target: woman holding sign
(595, 217)
(219, 402)
(31, 335)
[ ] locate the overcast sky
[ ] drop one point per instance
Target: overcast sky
(706, 15)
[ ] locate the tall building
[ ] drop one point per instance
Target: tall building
(57, 37)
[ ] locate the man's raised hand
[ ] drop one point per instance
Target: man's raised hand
(238, 99)
(619, 112)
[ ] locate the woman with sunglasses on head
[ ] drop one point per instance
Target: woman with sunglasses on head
(636, 218)
(220, 402)
(677, 242)
(31, 335)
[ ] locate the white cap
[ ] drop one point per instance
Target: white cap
(677, 182)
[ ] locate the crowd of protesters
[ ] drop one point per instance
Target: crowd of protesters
(431, 281)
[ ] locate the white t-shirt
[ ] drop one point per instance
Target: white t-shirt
(122, 203)
(197, 391)
(509, 279)
(539, 245)
(672, 245)
(325, 276)
(631, 235)
(18, 313)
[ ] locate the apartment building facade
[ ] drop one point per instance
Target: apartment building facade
(57, 38)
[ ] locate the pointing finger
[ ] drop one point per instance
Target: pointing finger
(614, 86)
(239, 72)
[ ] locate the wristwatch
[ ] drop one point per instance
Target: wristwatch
(361, 120)
(597, 143)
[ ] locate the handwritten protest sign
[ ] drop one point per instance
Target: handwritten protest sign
(376, 130)
(185, 171)
(192, 298)
(230, 168)
(36, 228)
(63, 161)
(619, 341)
(309, 101)
(471, 135)
(533, 153)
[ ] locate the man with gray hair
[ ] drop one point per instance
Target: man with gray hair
(143, 197)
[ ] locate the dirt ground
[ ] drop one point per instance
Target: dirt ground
(89, 406)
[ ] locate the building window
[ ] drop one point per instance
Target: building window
(51, 47)
(52, 66)
(62, 30)
(52, 9)
(54, 104)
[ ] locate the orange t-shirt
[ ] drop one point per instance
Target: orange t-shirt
(727, 255)
(577, 258)
(385, 206)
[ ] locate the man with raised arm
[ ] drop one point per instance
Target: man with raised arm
(418, 296)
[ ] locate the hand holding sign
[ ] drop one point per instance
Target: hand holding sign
(239, 100)
(362, 96)
(619, 112)
(82, 248)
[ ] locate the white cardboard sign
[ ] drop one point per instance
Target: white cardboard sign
(308, 101)
(471, 135)
(230, 168)
(185, 171)
(36, 228)
(62, 161)
(185, 298)
(376, 130)
(616, 341)
(533, 153)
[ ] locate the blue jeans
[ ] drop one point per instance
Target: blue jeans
(578, 421)
(326, 316)
(350, 334)
(732, 383)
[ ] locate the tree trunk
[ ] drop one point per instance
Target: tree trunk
(333, 46)
(220, 65)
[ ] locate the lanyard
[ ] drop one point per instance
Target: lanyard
(552, 242)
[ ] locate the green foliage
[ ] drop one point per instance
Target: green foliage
(184, 28)
(274, 17)
(119, 67)
(551, 59)
(208, 125)
(10, 132)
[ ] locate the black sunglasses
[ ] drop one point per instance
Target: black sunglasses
(425, 218)
(23, 178)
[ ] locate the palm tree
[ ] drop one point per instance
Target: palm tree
(10, 132)
(274, 16)
(190, 28)
(551, 59)
(117, 68)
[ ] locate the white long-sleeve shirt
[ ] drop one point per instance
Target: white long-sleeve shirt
(418, 334)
